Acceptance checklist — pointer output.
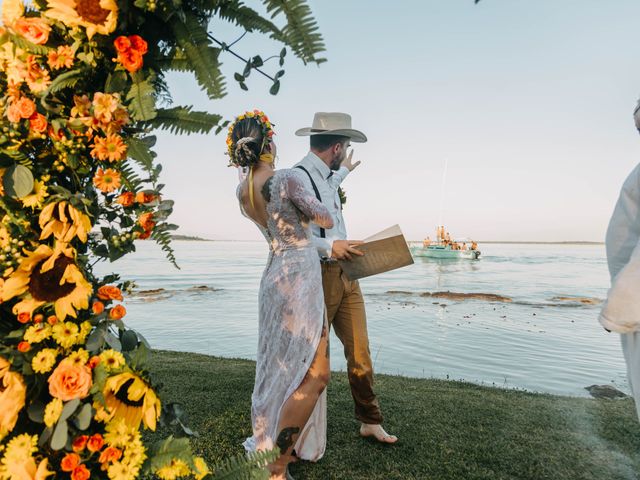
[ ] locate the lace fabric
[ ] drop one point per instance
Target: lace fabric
(291, 312)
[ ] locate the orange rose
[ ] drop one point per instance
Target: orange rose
(97, 307)
(80, 473)
(117, 312)
(26, 107)
(52, 319)
(34, 29)
(24, 317)
(24, 347)
(38, 123)
(131, 60)
(93, 362)
(70, 380)
(39, 318)
(109, 292)
(122, 44)
(110, 454)
(142, 197)
(80, 443)
(146, 221)
(125, 199)
(13, 113)
(70, 462)
(96, 442)
(138, 44)
(145, 235)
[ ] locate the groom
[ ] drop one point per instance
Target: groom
(325, 167)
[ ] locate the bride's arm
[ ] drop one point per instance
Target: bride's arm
(306, 201)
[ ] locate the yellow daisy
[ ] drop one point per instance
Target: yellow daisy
(176, 468)
(96, 16)
(52, 412)
(37, 196)
(37, 333)
(79, 356)
(44, 360)
(65, 334)
(64, 222)
(112, 359)
(49, 275)
(21, 447)
(85, 329)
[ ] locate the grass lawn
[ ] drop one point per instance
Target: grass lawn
(448, 430)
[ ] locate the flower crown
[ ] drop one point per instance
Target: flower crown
(267, 132)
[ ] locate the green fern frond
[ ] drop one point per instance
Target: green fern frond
(161, 234)
(66, 80)
(130, 178)
(182, 120)
(249, 467)
(139, 149)
(176, 60)
(142, 103)
(247, 18)
(25, 44)
(301, 32)
(194, 42)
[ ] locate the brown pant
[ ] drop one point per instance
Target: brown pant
(345, 311)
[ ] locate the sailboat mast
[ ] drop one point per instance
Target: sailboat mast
(442, 192)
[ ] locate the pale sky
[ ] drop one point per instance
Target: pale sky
(530, 101)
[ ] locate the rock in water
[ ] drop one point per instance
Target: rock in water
(605, 391)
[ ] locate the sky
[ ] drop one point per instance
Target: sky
(528, 102)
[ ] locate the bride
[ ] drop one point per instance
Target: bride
(288, 407)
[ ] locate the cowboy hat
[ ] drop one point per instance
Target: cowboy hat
(332, 123)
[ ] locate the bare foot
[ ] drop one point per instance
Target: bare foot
(377, 432)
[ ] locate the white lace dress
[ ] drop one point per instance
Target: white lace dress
(291, 312)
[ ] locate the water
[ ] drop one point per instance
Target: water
(537, 341)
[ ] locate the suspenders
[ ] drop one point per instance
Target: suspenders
(315, 189)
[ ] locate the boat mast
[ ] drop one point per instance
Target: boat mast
(442, 192)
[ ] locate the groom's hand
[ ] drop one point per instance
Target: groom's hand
(348, 162)
(343, 249)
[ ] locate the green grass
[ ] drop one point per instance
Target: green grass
(448, 430)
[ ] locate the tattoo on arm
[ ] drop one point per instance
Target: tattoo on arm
(285, 438)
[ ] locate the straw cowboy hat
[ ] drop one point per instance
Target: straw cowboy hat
(332, 123)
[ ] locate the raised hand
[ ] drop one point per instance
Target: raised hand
(348, 162)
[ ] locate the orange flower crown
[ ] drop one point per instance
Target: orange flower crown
(267, 132)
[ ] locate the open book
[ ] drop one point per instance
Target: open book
(384, 251)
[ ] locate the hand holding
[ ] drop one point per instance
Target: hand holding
(348, 162)
(343, 249)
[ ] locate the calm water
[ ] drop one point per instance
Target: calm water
(540, 341)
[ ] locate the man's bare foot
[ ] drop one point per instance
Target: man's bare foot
(377, 432)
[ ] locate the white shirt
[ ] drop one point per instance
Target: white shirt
(327, 185)
(621, 311)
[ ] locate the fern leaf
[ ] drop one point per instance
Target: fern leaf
(171, 449)
(194, 42)
(247, 18)
(249, 467)
(139, 149)
(25, 44)
(301, 32)
(175, 60)
(66, 80)
(142, 103)
(161, 234)
(182, 120)
(131, 180)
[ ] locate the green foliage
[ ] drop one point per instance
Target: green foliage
(142, 104)
(139, 149)
(66, 80)
(247, 18)
(25, 44)
(162, 235)
(182, 120)
(246, 467)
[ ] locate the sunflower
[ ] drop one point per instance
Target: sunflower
(107, 180)
(96, 16)
(129, 397)
(174, 469)
(64, 222)
(49, 275)
(37, 196)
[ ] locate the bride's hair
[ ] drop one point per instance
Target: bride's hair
(247, 138)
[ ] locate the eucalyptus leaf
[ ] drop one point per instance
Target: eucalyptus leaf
(83, 419)
(60, 435)
(275, 88)
(18, 181)
(45, 436)
(36, 412)
(129, 340)
(238, 77)
(113, 341)
(69, 408)
(96, 339)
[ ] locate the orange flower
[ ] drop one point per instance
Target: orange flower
(13, 113)
(52, 319)
(93, 362)
(107, 180)
(97, 307)
(70, 462)
(111, 148)
(80, 473)
(145, 235)
(70, 380)
(138, 44)
(96, 442)
(125, 199)
(61, 58)
(80, 443)
(131, 60)
(146, 221)
(34, 29)
(38, 123)
(109, 292)
(24, 347)
(24, 317)
(110, 454)
(26, 107)
(38, 318)
(142, 197)
(122, 44)
(117, 312)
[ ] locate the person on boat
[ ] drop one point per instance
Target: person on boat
(426, 242)
(464, 246)
(474, 246)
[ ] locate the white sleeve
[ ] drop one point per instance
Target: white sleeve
(338, 177)
(621, 311)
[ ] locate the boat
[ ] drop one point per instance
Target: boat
(443, 251)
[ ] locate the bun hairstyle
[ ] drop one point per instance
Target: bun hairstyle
(248, 137)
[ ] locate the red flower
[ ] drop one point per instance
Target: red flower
(139, 44)
(80, 443)
(122, 44)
